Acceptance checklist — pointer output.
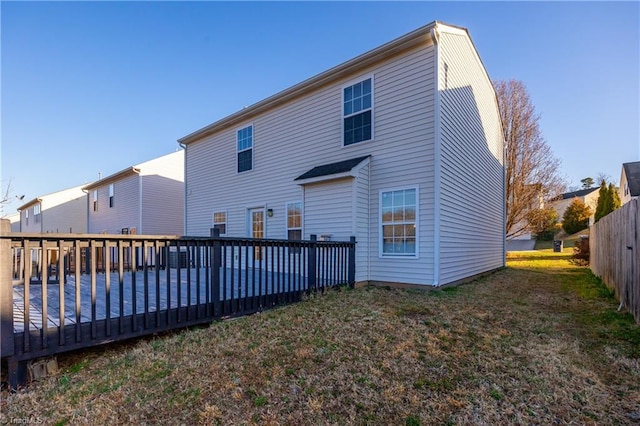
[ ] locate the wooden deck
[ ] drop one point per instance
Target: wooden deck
(190, 290)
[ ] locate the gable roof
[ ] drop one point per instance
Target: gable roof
(332, 168)
(632, 172)
(43, 197)
(415, 38)
(580, 193)
(112, 178)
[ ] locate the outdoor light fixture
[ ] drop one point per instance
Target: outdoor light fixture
(270, 212)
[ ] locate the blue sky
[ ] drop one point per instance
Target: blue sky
(92, 88)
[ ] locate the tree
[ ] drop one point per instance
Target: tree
(608, 200)
(532, 171)
(576, 217)
(587, 182)
(542, 222)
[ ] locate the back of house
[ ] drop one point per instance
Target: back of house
(400, 147)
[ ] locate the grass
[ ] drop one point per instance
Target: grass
(539, 342)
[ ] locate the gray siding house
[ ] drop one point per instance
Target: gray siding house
(147, 198)
(59, 212)
(629, 182)
(401, 147)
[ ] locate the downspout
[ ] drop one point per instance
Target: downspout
(435, 35)
(184, 178)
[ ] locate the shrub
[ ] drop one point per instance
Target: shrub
(581, 251)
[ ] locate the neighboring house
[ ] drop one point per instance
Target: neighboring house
(520, 231)
(14, 220)
(587, 196)
(147, 198)
(629, 182)
(59, 212)
(383, 147)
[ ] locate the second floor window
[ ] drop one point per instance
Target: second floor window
(36, 213)
(95, 200)
(111, 193)
(244, 142)
(357, 112)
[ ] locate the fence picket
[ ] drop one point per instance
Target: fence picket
(614, 243)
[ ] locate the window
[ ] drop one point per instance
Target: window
(220, 221)
(357, 112)
(294, 220)
(245, 149)
(95, 200)
(26, 217)
(398, 221)
(36, 213)
(111, 192)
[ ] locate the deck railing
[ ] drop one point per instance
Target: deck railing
(60, 292)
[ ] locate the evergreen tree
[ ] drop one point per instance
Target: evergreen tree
(576, 217)
(616, 203)
(602, 200)
(608, 200)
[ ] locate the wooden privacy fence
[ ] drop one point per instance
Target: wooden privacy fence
(614, 254)
(60, 292)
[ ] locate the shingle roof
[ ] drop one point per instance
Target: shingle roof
(580, 193)
(332, 168)
(632, 172)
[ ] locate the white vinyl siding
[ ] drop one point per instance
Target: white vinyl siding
(162, 195)
(472, 180)
(124, 214)
(329, 209)
(59, 212)
(403, 152)
(362, 220)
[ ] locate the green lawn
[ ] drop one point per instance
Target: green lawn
(539, 342)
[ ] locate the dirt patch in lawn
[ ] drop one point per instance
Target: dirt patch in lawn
(540, 342)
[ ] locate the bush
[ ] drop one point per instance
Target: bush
(581, 251)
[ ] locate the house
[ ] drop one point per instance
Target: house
(60, 212)
(384, 147)
(588, 196)
(629, 182)
(147, 198)
(14, 220)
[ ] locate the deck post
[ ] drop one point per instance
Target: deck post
(216, 263)
(7, 346)
(312, 259)
(352, 262)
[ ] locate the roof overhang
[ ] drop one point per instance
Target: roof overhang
(411, 40)
(29, 204)
(112, 178)
(333, 171)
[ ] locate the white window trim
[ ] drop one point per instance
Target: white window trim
(373, 108)
(226, 220)
(253, 145)
(286, 219)
(416, 255)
